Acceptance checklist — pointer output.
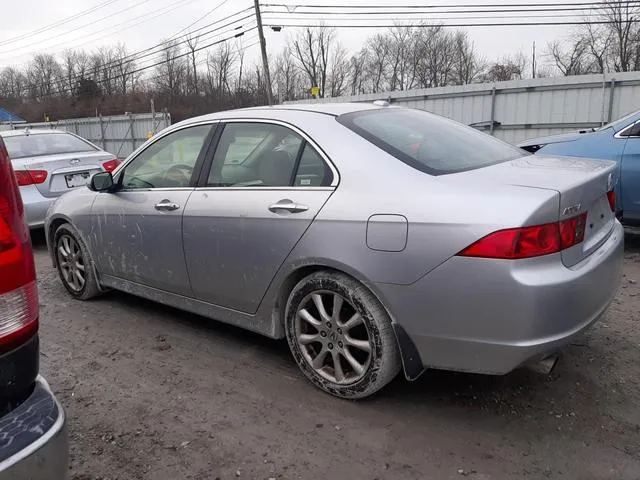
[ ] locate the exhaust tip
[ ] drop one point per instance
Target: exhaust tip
(546, 365)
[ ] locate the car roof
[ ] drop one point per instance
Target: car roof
(333, 109)
(29, 131)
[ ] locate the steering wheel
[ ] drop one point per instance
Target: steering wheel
(182, 170)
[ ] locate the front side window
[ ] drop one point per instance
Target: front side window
(167, 163)
(39, 144)
(265, 155)
(427, 142)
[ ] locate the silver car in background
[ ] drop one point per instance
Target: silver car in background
(49, 163)
(373, 238)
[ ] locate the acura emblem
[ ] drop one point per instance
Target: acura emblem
(74, 161)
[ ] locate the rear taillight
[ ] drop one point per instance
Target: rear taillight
(611, 196)
(18, 292)
(528, 242)
(111, 165)
(30, 177)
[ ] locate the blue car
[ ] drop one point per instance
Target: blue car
(619, 141)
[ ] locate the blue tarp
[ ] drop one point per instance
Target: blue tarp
(6, 116)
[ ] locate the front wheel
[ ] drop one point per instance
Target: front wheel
(74, 264)
(340, 335)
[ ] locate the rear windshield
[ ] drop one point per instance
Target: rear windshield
(37, 144)
(427, 142)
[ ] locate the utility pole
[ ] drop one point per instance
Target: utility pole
(263, 48)
(534, 61)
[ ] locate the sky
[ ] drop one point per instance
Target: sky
(37, 26)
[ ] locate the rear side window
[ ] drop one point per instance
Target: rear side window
(427, 142)
(37, 144)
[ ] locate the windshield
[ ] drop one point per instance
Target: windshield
(427, 142)
(621, 122)
(37, 144)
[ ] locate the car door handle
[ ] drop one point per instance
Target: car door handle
(166, 206)
(289, 206)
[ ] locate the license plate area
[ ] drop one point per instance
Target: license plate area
(75, 180)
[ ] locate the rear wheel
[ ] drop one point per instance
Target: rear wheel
(74, 263)
(341, 336)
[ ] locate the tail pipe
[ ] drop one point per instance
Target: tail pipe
(546, 365)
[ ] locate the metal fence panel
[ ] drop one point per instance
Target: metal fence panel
(117, 134)
(524, 109)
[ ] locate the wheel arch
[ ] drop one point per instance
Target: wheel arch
(411, 362)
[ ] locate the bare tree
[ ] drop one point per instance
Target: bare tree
(339, 71)
(404, 58)
(286, 76)
(312, 48)
(510, 67)
(13, 84)
(220, 65)
(124, 67)
(467, 65)
(434, 50)
(378, 53)
(623, 18)
(44, 75)
(357, 72)
(572, 61)
(171, 73)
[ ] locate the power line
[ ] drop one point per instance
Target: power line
(141, 2)
(88, 38)
(61, 83)
(436, 19)
(431, 10)
(457, 25)
(158, 47)
(58, 23)
(162, 62)
(603, 3)
(199, 19)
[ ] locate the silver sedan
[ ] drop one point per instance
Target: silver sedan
(49, 163)
(374, 239)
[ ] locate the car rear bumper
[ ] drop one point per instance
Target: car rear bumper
(35, 205)
(33, 438)
(491, 316)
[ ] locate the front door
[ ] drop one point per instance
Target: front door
(629, 189)
(265, 187)
(138, 229)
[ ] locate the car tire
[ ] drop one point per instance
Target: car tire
(359, 337)
(74, 263)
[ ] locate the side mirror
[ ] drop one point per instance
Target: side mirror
(101, 182)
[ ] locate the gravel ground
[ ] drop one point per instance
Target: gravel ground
(155, 393)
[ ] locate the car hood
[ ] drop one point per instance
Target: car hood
(562, 138)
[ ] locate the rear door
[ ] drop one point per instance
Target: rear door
(138, 229)
(266, 184)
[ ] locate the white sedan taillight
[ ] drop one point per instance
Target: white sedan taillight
(18, 290)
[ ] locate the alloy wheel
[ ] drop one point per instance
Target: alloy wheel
(71, 262)
(333, 337)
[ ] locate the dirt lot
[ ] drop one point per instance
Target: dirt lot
(154, 393)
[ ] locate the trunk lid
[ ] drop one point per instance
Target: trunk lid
(581, 183)
(65, 171)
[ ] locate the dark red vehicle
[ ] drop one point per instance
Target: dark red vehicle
(33, 436)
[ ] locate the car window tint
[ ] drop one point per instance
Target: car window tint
(167, 163)
(38, 144)
(312, 170)
(255, 155)
(427, 142)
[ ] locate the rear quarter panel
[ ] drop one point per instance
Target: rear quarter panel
(443, 217)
